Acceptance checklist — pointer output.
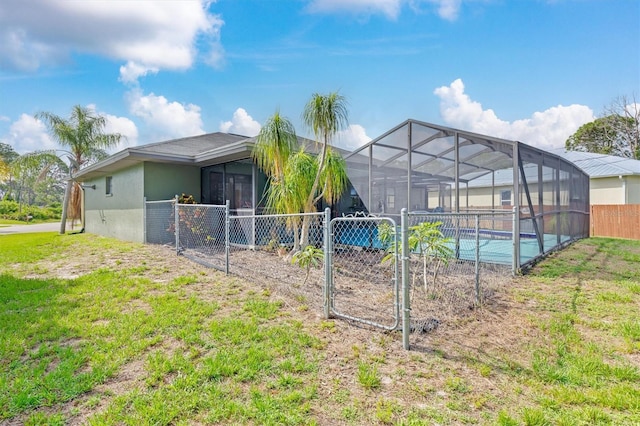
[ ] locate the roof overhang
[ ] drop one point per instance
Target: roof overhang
(131, 157)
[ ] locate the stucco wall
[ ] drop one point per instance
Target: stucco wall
(633, 189)
(607, 190)
(119, 214)
(164, 181)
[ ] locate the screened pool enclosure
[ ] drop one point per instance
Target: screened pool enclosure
(531, 201)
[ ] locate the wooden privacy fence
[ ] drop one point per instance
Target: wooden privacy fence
(616, 220)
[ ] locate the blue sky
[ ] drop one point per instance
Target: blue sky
(529, 70)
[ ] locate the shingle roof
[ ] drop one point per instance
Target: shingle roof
(191, 146)
(201, 150)
(194, 150)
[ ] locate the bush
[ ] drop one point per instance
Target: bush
(10, 210)
(8, 207)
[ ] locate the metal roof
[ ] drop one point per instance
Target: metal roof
(600, 165)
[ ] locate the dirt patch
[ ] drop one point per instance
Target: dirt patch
(454, 328)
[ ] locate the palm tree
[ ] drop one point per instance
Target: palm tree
(325, 115)
(83, 134)
(294, 175)
(7, 156)
(275, 145)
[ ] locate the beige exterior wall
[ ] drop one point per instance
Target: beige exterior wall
(609, 190)
(633, 189)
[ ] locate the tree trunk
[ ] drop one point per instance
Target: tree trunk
(424, 269)
(296, 239)
(311, 200)
(65, 207)
(304, 237)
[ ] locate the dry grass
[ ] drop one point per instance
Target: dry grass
(476, 363)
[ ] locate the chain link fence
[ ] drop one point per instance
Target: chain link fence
(262, 249)
(159, 223)
(414, 272)
(456, 262)
(202, 234)
(363, 275)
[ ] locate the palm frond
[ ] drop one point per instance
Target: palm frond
(274, 144)
(82, 133)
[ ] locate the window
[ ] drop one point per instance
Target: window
(391, 198)
(235, 187)
(108, 186)
(505, 198)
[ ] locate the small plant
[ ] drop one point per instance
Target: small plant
(385, 411)
(368, 375)
(328, 325)
(186, 199)
(310, 256)
(386, 234)
(427, 239)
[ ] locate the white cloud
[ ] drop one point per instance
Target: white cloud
(241, 123)
(122, 125)
(28, 134)
(352, 137)
(446, 9)
(168, 119)
(547, 129)
(130, 72)
(125, 127)
(149, 35)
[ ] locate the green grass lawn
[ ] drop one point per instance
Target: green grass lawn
(97, 331)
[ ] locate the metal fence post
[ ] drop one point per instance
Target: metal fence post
(406, 308)
(515, 240)
(144, 220)
(328, 263)
(227, 226)
(177, 224)
(477, 259)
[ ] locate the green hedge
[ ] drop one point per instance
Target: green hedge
(11, 210)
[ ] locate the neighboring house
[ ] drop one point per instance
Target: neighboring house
(613, 180)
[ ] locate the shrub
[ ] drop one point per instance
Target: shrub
(10, 210)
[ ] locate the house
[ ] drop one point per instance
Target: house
(213, 167)
(209, 166)
(613, 180)
(416, 165)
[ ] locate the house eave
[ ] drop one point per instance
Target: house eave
(128, 158)
(236, 151)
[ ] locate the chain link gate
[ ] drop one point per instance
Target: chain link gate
(362, 277)
(202, 234)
